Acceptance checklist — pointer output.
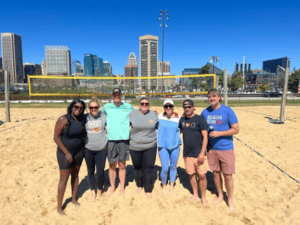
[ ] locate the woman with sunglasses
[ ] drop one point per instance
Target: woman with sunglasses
(69, 135)
(169, 143)
(143, 145)
(95, 147)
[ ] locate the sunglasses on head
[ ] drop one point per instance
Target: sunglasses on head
(93, 107)
(168, 106)
(144, 103)
(187, 107)
(78, 107)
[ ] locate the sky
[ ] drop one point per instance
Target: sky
(259, 30)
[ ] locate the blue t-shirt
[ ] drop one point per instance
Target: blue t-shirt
(221, 119)
(117, 120)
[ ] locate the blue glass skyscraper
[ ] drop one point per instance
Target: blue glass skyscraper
(88, 65)
(93, 65)
(75, 66)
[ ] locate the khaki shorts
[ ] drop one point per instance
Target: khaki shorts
(223, 161)
(191, 167)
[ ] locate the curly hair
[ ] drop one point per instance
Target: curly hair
(79, 118)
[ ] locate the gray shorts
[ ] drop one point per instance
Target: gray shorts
(118, 151)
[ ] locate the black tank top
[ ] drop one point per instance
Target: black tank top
(73, 136)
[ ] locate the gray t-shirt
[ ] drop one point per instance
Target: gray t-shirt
(96, 134)
(143, 133)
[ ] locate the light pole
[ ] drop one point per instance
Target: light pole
(163, 16)
(214, 59)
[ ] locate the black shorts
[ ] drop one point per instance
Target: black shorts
(62, 161)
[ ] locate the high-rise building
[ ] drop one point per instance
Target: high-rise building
(93, 65)
(132, 60)
(12, 58)
(58, 60)
(271, 65)
(107, 69)
(131, 69)
(31, 69)
(75, 66)
(164, 68)
(44, 69)
(0, 63)
(98, 66)
(148, 61)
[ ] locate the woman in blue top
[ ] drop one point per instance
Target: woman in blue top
(169, 143)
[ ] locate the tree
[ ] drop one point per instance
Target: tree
(294, 81)
(204, 86)
(263, 88)
(204, 69)
(236, 81)
(194, 82)
(221, 80)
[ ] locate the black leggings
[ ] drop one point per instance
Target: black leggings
(97, 158)
(143, 162)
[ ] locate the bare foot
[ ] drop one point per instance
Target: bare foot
(76, 203)
(217, 200)
(139, 190)
(204, 203)
(172, 189)
(93, 195)
(193, 198)
(99, 194)
(231, 207)
(122, 193)
(165, 190)
(61, 212)
(110, 192)
(149, 195)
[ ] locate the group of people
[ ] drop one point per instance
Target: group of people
(118, 130)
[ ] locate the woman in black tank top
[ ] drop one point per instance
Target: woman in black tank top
(69, 135)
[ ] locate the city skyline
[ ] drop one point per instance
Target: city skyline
(260, 30)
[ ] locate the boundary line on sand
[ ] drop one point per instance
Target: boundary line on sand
(261, 155)
(28, 123)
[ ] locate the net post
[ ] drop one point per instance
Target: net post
(225, 87)
(7, 106)
(284, 94)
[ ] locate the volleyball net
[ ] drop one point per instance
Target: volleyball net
(163, 86)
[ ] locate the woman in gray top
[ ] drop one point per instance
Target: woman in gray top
(143, 146)
(95, 147)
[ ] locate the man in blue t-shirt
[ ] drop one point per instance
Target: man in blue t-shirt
(222, 125)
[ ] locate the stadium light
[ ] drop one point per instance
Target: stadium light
(163, 16)
(214, 59)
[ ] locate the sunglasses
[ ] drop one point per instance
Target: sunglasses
(144, 103)
(187, 107)
(168, 106)
(93, 107)
(78, 107)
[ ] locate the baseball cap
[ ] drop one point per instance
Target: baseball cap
(116, 90)
(168, 100)
(188, 102)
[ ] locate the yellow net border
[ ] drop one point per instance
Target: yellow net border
(118, 78)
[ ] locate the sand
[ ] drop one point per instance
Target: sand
(263, 194)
